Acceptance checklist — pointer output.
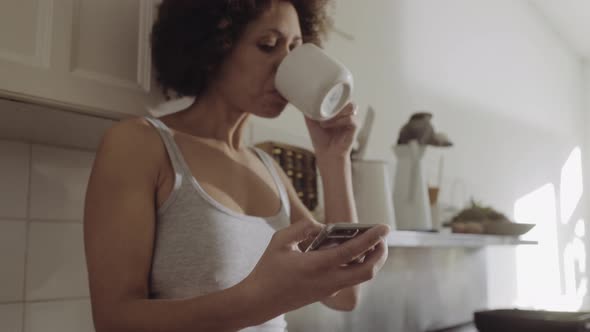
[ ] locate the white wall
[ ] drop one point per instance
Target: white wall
(587, 127)
(498, 79)
(587, 147)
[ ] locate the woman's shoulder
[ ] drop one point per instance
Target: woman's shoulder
(132, 127)
(133, 138)
(132, 131)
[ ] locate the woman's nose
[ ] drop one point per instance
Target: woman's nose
(282, 54)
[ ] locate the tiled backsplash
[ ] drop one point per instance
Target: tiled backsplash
(43, 284)
(14, 177)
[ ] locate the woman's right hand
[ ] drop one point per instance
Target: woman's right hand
(286, 278)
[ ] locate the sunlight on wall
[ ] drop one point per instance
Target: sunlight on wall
(574, 268)
(574, 275)
(547, 278)
(571, 187)
(537, 267)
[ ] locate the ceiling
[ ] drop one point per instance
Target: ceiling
(571, 19)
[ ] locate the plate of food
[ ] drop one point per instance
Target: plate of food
(479, 219)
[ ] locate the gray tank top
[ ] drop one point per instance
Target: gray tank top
(202, 246)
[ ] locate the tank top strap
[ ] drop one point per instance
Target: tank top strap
(176, 158)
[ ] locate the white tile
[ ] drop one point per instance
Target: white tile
(59, 316)
(58, 183)
(56, 265)
(11, 317)
(14, 179)
(12, 260)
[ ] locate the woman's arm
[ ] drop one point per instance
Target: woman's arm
(339, 206)
(339, 202)
(332, 141)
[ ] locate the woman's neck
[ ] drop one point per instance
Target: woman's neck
(211, 117)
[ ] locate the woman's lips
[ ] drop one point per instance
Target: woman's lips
(277, 95)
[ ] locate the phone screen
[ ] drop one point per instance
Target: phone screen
(336, 234)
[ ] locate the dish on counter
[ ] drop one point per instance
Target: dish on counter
(491, 228)
(479, 219)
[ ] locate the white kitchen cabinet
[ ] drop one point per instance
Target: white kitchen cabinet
(85, 55)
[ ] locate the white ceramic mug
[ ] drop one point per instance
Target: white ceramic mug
(313, 82)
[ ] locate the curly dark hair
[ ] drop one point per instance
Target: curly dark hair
(189, 41)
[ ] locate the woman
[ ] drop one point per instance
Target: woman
(187, 229)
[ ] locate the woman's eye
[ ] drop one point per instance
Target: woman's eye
(267, 47)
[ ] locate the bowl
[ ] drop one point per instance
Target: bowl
(507, 228)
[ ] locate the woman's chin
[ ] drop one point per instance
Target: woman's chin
(271, 112)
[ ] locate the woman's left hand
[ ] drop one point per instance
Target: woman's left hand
(334, 138)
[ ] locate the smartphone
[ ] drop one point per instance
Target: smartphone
(334, 234)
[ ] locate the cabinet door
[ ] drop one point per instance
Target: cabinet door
(87, 55)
